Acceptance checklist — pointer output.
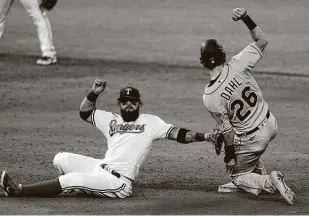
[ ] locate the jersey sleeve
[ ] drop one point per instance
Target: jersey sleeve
(160, 129)
(100, 119)
(247, 58)
(218, 112)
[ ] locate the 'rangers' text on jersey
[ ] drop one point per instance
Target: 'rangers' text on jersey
(129, 142)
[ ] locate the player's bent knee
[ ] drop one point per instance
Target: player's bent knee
(60, 160)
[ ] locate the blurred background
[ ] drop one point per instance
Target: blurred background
(165, 31)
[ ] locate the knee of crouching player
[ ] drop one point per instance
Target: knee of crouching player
(60, 160)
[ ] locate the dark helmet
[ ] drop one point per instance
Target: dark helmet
(212, 54)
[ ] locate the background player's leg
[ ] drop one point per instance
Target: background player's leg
(42, 26)
(50, 34)
(69, 163)
(5, 6)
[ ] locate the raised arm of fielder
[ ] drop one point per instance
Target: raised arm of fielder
(255, 31)
(88, 104)
(180, 135)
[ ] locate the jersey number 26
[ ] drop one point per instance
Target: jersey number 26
(250, 99)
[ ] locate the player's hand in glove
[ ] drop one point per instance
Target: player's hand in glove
(216, 138)
(48, 4)
(230, 159)
(99, 86)
(219, 141)
(239, 13)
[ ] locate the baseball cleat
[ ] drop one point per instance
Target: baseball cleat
(46, 60)
(277, 179)
(9, 187)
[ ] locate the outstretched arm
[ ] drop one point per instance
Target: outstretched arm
(259, 38)
(255, 31)
(88, 104)
(185, 136)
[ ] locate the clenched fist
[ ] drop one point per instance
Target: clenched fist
(99, 86)
(239, 13)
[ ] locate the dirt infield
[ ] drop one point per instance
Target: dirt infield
(39, 117)
(140, 43)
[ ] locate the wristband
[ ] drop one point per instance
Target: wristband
(249, 22)
(200, 137)
(92, 96)
(229, 153)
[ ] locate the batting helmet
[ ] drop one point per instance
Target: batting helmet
(212, 54)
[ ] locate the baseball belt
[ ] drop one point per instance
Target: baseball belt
(113, 172)
(255, 129)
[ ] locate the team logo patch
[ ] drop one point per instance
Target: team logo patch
(125, 128)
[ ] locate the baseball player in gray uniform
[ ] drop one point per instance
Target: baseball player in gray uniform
(129, 135)
(235, 101)
(41, 21)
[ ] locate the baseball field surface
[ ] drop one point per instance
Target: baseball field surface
(154, 46)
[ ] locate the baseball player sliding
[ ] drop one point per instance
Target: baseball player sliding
(37, 11)
(129, 139)
(235, 101)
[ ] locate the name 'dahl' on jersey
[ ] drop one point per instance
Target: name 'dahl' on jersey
(230, 88)
(125, 128)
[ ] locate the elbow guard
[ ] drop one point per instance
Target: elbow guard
(181, 137)
(85, 115)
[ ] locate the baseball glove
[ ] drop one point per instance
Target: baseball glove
(217, 136)
(218, 145)
(48, 4)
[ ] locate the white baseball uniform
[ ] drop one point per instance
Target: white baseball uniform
(128, 146)
(40, 20)
(236, 103)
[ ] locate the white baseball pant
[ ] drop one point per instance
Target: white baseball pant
(40, 20)
(248, 150)
(82, 173)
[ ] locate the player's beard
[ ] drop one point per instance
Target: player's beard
(129, 116)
